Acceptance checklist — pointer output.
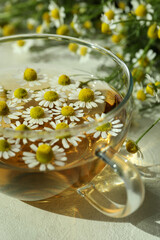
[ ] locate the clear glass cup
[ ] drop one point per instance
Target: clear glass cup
(93, 167)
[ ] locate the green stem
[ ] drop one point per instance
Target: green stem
(147, 131)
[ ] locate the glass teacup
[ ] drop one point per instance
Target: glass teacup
(65, 109)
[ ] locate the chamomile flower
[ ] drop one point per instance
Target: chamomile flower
(68, 112)
(132, 147)
(84, 54)
(86, 97)
(50, 98)
(111, 15)
(20, 95)
(66, 139)
(22, 46)
(31, 23)
(143, 10)
(8, 148)
(143, 61)
(18, 126)
(64, 83)
(112, 127)
(37, 115)
(153, 87)
(32, 77)
(76, 26)
(57, 14)
(9, 111)
(45, 156)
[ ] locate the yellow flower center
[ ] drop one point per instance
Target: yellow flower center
(30, 26)
(22, 127)
(138, 74)
(30, 74)
(83, 51)
(4, 110)
(39, 29)
(131, 146)
(150, 89)
(62, 30)
(21, 43)
(61, 125)
(36, 112)
(55, 13)
(158, 33)
(86, 95)
(121, 5)
(116, 38)
(50, 96)
(87, 24)
(44, 153)
(4, 145)
(73, 47)
(141, 95)
(64, 80)
(143, 61)
(105, 127)
(141, 11)
(67, 111)
(8, 30)
(152, 31)
(120, 56)
(46, 17)
(105, 28)
(157, 84)
(109, 14)
(20, 93)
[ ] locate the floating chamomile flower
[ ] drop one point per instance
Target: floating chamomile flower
(57, 14)
(132, 147)
(112, 127)
(143, 10)
(50, 98)
(64, 83)
(37, 115)
(69, 112)
(20, 95)
(23, 127)
(45, 156)
(9, 111)
(111, 15)
(84, 54)
(86, 97)
(143, 60)
(8, 148)
(66, 139)
(33, 78)
(153, 87)
(22, 46)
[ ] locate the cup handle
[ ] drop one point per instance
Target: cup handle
(98, 191)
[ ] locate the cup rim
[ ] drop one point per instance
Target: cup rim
(8, 132)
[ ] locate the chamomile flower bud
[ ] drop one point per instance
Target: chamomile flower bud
(44, 153)
(121, 5)
(62, 30)
(141, 10)
(21, 43)
(83, 51)
(87, 24)
(116, 38)
(73, 47)
(8, 30)
(150, 89)
(105, 28)
(4, 145)
(152, 31)
(30, 74)
(4, 110)
(141, 95)
(131, 147)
